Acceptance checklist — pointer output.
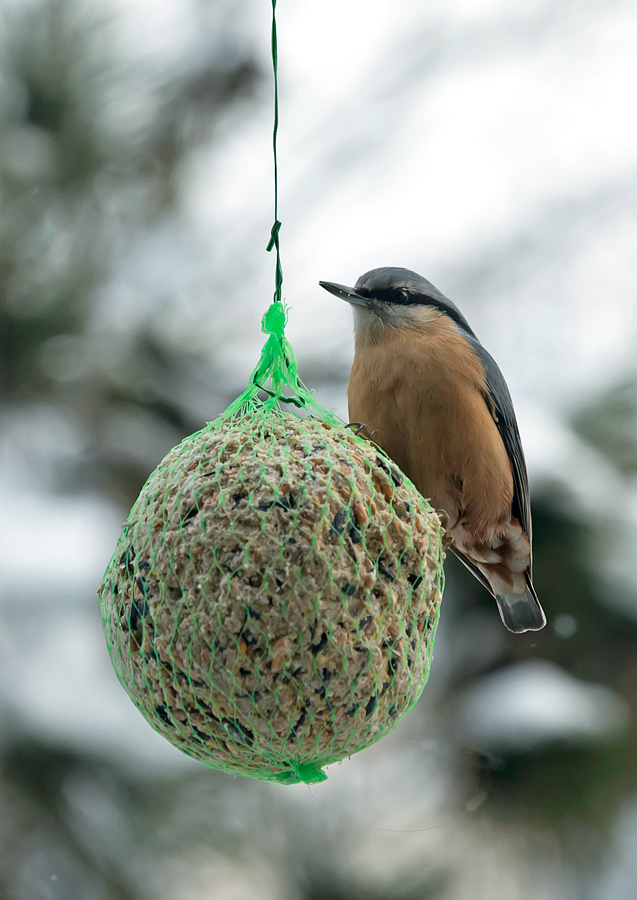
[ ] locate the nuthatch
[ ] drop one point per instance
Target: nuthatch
(440, 407)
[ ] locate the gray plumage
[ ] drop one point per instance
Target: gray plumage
(394, 294)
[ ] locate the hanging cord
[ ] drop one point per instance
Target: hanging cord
(274, 233)
(278, 362)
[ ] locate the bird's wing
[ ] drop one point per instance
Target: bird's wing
(498, 399)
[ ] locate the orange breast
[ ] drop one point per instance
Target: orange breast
(422, 391)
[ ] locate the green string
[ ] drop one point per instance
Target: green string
(277, 364)
(274, 233)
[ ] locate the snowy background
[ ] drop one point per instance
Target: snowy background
(491, 147)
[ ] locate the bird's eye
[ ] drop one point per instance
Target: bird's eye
(404, 296)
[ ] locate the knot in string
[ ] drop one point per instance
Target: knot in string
(273, 321)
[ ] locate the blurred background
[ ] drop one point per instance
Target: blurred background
(488, 145)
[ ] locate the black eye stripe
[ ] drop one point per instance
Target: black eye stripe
(401, 297)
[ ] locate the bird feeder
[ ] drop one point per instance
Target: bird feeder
(272, 601)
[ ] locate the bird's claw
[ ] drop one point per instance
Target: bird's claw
(445, 528)
(361, 431)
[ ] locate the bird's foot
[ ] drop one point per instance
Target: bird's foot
(360, 430)
(445, 528)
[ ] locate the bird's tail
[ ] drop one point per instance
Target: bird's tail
(503, 567)
(521, 612)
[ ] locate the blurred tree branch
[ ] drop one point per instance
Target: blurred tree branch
(81, 180)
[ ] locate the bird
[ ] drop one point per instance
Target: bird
(428, 393)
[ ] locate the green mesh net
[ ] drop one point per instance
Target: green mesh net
(272, 601)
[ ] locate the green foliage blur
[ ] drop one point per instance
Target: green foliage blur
(92, 143)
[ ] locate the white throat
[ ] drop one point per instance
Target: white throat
(370, 327)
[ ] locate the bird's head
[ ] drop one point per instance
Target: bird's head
(395, 297)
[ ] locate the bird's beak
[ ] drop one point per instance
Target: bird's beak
(345, 293)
